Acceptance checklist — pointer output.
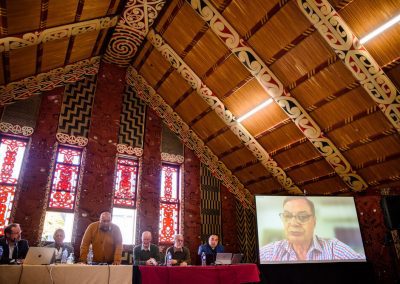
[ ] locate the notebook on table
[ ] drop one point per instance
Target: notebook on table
(40, 255)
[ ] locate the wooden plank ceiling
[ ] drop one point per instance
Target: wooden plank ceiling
(323, 132)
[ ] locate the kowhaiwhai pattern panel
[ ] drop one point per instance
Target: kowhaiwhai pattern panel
(354, 56)
(267, 79)
(189, 138)
(210, 98)
(35, 85)
(137, 17)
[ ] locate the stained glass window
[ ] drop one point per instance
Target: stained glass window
(126, 183)
(65, 178)
(125, 189)
(12, 152)
(169, 203)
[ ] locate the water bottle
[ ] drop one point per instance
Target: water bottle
(203, 259)
(89, 259)
(169, 259)
(70, 259)
(1, 252)
(64, 256)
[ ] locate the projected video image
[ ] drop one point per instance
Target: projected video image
(294, 229)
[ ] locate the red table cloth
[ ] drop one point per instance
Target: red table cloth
(226, 274)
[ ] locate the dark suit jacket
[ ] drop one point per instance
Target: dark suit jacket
(19, 252)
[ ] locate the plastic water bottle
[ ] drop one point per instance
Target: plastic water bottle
(89, 259)
(64, 256)
(169, 259)
(70, 259)
(203, 259)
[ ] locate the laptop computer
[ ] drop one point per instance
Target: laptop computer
(223, 258)
(237, 258)
(40, 255)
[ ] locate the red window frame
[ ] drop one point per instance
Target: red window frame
(9, 175)
(169, 225)
(65, 179)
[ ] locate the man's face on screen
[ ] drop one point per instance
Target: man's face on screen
(298, 221)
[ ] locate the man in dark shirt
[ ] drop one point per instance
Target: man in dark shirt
(146, 253)
(59, 245)
(180, 255)
(211, 248)
(13, 247)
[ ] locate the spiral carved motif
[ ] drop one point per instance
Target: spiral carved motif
(211, 99)
(355, 57)
(133, 26)
(188, 137)
(267, 79)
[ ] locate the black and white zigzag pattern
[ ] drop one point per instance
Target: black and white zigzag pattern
(77, 107)
(210, 204)
(246, 232)
(133, 114)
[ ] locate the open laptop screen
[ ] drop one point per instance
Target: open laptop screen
(40, 255)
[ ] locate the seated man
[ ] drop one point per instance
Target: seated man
(106, 240)
(180, 254)
(14, 248)
(146, 253)
(59, 245)
(211, 248)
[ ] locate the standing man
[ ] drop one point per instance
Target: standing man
(211, 248)
(106, 240)
(146, 253)
(59, 245)
(180, 254)
(14, 248)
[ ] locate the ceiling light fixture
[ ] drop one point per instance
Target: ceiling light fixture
(254, 110)
(379, 30)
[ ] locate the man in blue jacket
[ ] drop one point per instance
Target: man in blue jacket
(13, 248)
(211, 248)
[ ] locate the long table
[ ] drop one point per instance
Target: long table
(122, 274)
(226, 274)
(66, 274)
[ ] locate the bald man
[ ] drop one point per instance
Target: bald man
(146, 253)
(106, 240)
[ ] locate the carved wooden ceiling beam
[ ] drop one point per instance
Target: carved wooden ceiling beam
(136, 19)
(188, 137)
(35, 85)
(219, 108)
(56, 33)
(269, 81)
(355, 57)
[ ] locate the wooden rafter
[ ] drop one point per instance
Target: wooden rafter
(189, 138)
(129, 34)
(269, 81)
(34, 85)
(354, 56)
(226, 116)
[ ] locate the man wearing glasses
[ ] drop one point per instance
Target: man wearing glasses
(180, 255)
(301, 244)
(13, 248)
